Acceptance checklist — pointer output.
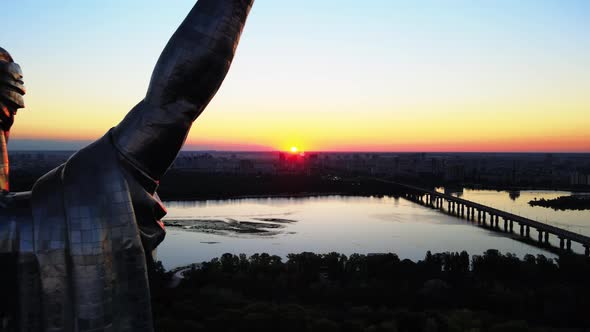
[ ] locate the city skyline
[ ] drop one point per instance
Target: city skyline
(330, 76)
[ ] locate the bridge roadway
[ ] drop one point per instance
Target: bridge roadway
(478, 212)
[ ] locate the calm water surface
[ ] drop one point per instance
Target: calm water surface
(346, 225)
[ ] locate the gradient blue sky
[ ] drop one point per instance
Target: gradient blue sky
(323, 75)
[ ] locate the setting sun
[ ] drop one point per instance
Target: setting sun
(294, 149)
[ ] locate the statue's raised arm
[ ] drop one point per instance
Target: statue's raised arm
(187, 76)
(84, 236)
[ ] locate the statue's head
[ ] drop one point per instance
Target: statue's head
(12, 89)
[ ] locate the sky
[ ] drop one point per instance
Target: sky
(321, 75)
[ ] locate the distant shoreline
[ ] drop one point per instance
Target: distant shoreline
(516, 188)
(263, 196)
(326, 194)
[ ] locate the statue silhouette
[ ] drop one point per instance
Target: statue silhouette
(82, 239)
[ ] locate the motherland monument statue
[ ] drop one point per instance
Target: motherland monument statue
(82, 239)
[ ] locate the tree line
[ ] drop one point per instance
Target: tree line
(335, 292)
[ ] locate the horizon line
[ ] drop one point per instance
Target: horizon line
(334, 151)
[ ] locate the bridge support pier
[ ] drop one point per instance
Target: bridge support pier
(511, 226)
(547, 237)
(540, 235)
(505, 225)
(528, 231)
(521, 229)
(568, 244)
(587, 251)
(561, 243)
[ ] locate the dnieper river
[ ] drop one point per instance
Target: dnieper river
(200, 230)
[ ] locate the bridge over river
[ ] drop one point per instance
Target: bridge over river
(491, 217)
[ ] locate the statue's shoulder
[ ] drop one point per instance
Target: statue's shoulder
(95, 153)
(94, 159)
(103, 160)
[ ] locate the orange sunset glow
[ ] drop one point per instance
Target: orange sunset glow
(411, 82)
